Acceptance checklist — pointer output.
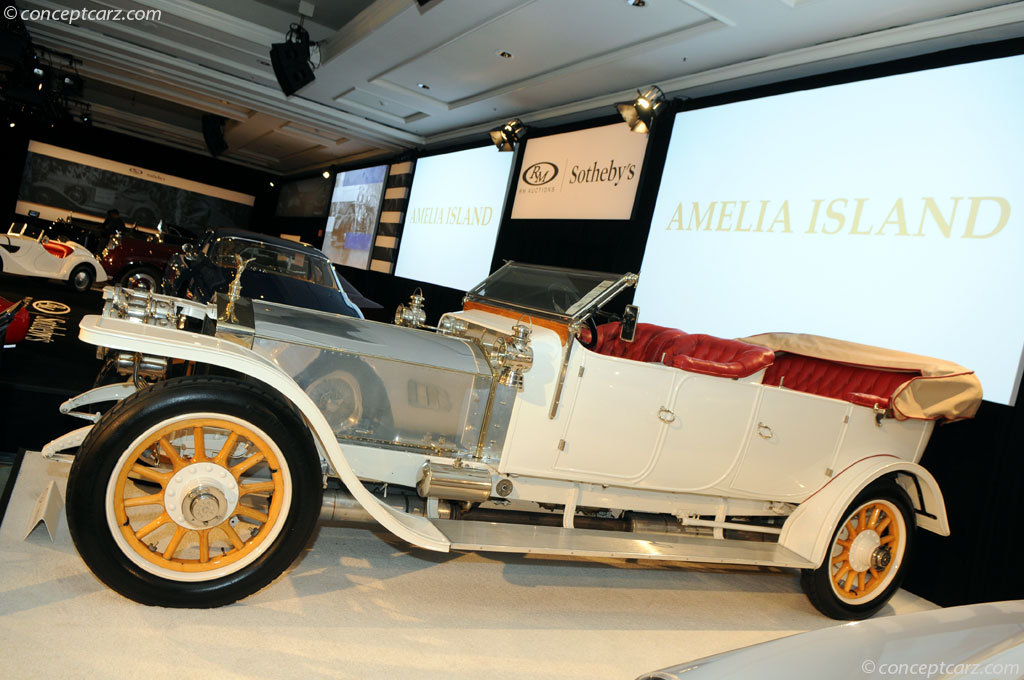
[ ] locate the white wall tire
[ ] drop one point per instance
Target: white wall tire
(178, 498)
(867, 557)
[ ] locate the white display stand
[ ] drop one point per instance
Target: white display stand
(362, 604)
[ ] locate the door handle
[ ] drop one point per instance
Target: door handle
(666, 416)
(764, 432)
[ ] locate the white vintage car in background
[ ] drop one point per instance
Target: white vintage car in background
(516, 425)
(38, 255)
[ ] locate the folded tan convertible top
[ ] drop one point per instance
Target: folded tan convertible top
(943, 390)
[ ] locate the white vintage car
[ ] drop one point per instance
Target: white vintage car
(27, 255)
(516, 425)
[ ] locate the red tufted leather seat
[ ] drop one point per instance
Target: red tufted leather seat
(649, 344)
(862, 385)
(695, 353)
(699, 353)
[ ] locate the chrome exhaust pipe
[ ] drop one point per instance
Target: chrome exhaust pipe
(340, 506)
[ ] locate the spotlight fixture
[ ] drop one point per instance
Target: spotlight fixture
(327, 174)
(271, 185)
(639, 114)
(290, 60)
(508, 135)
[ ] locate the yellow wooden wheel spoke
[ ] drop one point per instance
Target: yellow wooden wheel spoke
(179, 533)
(841, 573)
(172, 453)
(232, 535)
(152, 475)
(851, 531)
(204, 546)
(200, 444)
(888, 539)
(163, 519)
(875, 514)
(247, 464)
(844, 543)
(256, 487)
(151, 499)
(225, 451)
(862, 519)
(841, 557)
(883, 525)
(251, 513)
(861, 578)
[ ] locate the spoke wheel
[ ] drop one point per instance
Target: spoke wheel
(868, 553)
(194, 492)
(221, 487)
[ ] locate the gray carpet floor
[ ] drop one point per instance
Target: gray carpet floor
(361, 604)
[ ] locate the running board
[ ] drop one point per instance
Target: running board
(545, 540)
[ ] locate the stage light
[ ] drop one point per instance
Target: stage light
(327, 174)
(639, 114)
(508, 135)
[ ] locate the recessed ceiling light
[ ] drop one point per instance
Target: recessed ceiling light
(271, 184)
(327, 174)
(504, 54)
(423, 86)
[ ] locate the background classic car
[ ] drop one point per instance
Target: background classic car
(282, 271)
(28, 251)
(516, 425)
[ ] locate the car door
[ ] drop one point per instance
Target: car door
(614, 430)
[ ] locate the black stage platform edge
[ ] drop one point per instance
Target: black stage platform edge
(5, 496)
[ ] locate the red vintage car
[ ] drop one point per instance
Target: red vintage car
(136, 259)
(14, 321)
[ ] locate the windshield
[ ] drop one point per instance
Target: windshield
(561, 293)
(274, 260)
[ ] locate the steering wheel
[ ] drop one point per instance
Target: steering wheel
(590, 328)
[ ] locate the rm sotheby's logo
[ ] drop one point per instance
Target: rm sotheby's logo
(540, 173)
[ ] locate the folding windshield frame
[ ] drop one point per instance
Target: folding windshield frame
(594, 300)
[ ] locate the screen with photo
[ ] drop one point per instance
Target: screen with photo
(451, 222)
(352, 221)
(888, 212)
(304, 197)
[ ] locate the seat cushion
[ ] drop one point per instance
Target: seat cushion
(719, 357)
(862, 385)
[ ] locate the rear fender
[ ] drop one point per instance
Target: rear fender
(808, 531)
(120, 334)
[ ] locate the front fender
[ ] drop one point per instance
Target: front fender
(809, 529)
(121, 334)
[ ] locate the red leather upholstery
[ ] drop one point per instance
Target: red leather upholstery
(696, 353)
(57, 249)
(862, 385)
(649, 344)
(709, 355)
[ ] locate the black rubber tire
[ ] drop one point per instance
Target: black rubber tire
(817, 583)
(124, 423)
(141, 272)
(81, 278)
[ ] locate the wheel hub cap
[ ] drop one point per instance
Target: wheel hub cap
(201, 495)
(863, 548)
(881, 557)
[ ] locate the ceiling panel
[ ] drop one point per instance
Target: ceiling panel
(542, 36)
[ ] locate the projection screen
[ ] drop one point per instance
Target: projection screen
(888, 212)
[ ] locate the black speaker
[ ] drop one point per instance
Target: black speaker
(291, 66)
(213, 133)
